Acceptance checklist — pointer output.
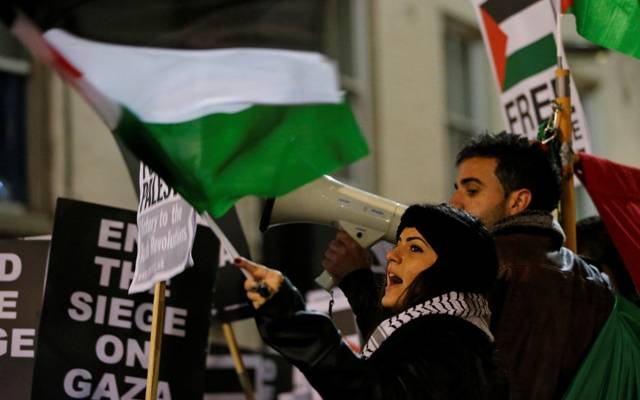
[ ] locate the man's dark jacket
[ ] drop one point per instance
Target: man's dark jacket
(548, 306)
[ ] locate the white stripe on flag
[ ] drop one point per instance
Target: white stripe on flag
(529, 25)
(168, 85)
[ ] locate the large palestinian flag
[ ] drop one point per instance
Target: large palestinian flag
(520, 42)
(221, 98)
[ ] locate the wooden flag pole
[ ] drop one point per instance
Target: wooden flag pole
(157, 325)
(243, 376)
(227, 329)
(568, 197)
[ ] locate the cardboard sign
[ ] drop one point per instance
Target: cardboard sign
(166, 229)
(22, 270)
(93, 340)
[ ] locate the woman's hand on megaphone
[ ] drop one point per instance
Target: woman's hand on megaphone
(261, 283)
(344, 255)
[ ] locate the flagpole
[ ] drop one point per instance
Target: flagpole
(157, 325)
(227, 329)
(241, 371)
(568, 196)
(563, 100)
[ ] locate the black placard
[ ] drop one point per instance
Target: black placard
(22, 270)
(93, 336)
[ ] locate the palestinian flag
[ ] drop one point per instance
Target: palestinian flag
(614, 24)
(221, 98)
(520, 35)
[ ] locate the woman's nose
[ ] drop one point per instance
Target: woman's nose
(393, 255)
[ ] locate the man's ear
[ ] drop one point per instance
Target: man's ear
(518, 201)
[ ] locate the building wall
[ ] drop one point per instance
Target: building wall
(87, 164)
(401, 60)
(409, 85)
(409, 110)
(613, 108)
(406, 89)
(410, 89)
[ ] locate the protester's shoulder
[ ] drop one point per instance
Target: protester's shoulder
(585, 270)
(442, 333)
(528, 229)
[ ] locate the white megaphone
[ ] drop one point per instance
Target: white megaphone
(366, 217)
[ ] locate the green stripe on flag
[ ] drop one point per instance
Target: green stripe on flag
(530, 60)
(263, 150)
(614, 24)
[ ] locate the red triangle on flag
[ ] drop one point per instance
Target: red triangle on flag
(498, 44)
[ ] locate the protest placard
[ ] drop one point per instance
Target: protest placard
(166, 230)
(93, 340)
(22, 270)
(520, 40)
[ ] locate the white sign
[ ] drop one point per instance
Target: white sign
(166, 230)
(520, 38)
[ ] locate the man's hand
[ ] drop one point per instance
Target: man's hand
(344, 255)
(263, 282)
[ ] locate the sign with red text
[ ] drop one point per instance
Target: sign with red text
(93, 340)
(22, 270)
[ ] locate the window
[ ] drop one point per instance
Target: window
(13, 157)
(25, 203)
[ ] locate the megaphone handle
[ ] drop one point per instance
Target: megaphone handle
(326, 281)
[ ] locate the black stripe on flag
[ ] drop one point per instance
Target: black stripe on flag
(503, 9)
(186, 24)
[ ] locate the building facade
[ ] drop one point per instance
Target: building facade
(416, 73)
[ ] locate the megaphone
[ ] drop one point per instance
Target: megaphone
(366, 217)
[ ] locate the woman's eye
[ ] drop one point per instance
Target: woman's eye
(416, 249)
(472, 192)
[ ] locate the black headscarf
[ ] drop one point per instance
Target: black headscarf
(467, 260)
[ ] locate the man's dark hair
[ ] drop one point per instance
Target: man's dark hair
(521, 165)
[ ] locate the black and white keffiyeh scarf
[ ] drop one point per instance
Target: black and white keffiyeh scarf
(471, 307)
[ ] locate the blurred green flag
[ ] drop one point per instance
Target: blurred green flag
(222, 98)
(614, 24)
(612, 367)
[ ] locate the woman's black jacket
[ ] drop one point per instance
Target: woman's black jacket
(432, 357)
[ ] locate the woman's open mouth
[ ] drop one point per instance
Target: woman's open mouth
(393, 279)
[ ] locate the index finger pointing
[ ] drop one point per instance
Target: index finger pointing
(249, 268)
